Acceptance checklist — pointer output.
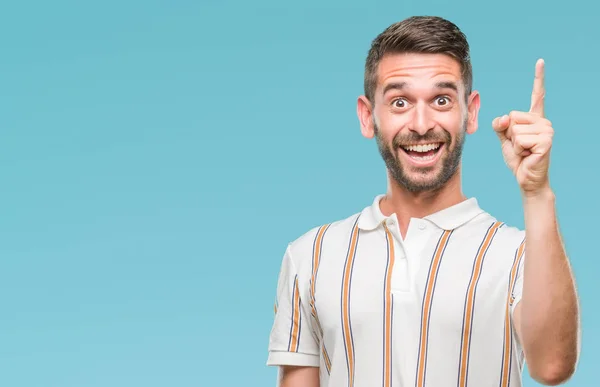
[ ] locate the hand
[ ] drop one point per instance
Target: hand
(526, 139)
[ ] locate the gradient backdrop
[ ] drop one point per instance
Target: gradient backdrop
(157, 156)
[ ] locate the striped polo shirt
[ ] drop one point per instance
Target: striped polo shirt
(434, 309)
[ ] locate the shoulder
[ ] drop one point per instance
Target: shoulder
(505, 235)
(302, 249)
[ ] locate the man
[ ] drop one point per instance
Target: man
(423, 287)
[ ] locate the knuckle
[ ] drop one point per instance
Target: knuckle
(518, 140)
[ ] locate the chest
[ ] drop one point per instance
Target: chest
(440, 279)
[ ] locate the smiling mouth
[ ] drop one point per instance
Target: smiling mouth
(422, 152)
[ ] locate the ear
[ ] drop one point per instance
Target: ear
(365, 116)
(473, 112)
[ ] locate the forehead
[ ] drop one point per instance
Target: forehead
(418, 70)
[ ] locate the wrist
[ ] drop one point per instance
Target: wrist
(542, 196)
(542, 192)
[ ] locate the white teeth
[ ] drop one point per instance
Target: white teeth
(422, 158)
(422, 148)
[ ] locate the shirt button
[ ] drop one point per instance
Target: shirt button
(422, 226)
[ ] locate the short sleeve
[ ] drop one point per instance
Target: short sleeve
(517, 289)
(291, 341)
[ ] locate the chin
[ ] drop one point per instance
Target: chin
(423, 179)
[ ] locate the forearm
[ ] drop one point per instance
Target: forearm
(292, 376)
(549, 306)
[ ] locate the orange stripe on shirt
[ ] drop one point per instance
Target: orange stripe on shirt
(387, 305)
(507, 350)
(317, 247)
(470, 304)
(346, 325)
(295, 328)
(326, 358)
(426, 308)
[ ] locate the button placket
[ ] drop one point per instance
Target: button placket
(417, 238)
(400, 272)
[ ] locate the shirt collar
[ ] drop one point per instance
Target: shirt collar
(447, 219)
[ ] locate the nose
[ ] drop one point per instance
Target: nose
(422, 120)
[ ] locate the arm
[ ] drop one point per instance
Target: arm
(292, 376)
(293, 346)
(547, 318)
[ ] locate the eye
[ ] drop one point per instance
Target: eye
(442, 101)
(399, 103)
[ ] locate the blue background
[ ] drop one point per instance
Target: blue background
(156, 157)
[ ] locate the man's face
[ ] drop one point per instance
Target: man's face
(420, 117)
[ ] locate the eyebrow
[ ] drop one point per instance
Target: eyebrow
(394, 86)
(402, 85)
(447, 85)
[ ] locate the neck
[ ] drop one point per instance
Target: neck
(407, 205)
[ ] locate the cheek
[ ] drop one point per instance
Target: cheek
(390, 125)
(451, 121)
(453, 124)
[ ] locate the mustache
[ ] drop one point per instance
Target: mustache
(412, 137)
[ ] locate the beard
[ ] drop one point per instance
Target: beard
(418, 180)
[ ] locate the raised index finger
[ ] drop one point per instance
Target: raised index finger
(539, 91)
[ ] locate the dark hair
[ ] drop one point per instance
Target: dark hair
(422, 35)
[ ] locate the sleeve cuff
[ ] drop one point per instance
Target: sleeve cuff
(292, 359)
